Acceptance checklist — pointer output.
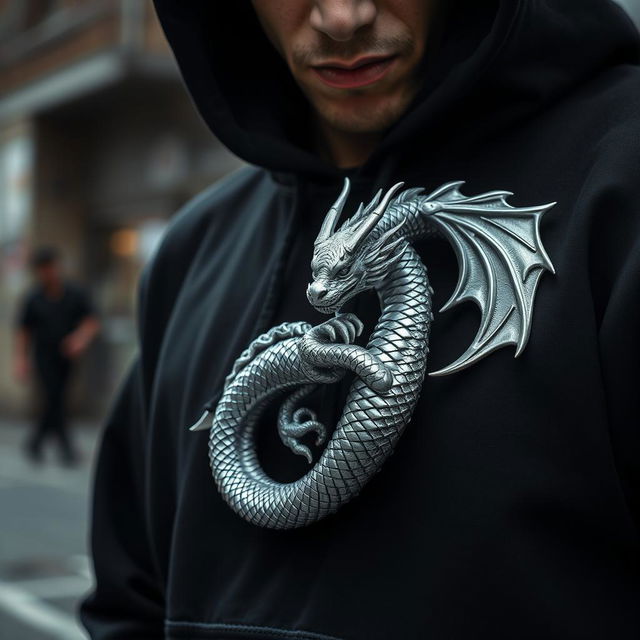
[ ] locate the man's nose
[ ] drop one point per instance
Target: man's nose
(340, 19)
(315, 292)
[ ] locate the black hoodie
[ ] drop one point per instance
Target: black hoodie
(511, 506)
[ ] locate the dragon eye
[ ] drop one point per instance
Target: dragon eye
(343, 273)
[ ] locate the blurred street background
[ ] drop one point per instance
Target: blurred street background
(99, 146)
(44, 568)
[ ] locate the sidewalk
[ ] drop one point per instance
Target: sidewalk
(44, 567)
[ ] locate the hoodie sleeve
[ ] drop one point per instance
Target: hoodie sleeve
(127, 601)
(615, 281)
(620, 361)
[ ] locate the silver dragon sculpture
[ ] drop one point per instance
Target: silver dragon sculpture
(501, 259)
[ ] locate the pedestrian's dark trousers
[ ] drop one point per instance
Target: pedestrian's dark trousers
(53, 376)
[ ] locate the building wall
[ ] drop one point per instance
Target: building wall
(16, 194)
(632, 7)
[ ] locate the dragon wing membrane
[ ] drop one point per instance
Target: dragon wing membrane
(501, 259)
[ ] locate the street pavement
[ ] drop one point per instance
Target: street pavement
(44, 565)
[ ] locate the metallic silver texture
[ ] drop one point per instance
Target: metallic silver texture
(501, 259)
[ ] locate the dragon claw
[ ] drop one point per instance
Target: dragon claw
(351, 330)
(359, 325)
(347, 326)
(345, 334)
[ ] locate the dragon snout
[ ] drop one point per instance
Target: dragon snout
(315, 292)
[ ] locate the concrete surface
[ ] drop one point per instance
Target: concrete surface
(44, 565)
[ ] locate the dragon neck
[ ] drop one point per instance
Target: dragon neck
(405, 301)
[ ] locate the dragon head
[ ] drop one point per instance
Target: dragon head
(350, 260)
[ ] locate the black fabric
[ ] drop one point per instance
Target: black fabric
(50, 320)
(511, 506)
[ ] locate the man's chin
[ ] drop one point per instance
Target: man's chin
(362, 114)
(352, 122)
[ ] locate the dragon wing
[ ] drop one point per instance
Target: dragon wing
(501, 259)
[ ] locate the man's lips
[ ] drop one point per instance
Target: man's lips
(358, 73)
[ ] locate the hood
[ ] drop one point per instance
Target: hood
(496, 62)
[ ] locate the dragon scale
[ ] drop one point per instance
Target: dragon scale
(371, 250)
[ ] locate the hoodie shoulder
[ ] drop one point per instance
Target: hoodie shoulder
(611, 128)
(208, 204)
(207, 218)
(221, 202)
(611, 99)
(619, 139)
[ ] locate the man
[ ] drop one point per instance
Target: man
(510, 507)
(56, 325)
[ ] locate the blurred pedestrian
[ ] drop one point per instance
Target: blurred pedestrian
(56, 325)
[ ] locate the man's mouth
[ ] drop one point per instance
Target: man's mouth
(358, 73)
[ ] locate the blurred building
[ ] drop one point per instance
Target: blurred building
(99, 145)
(633, 8)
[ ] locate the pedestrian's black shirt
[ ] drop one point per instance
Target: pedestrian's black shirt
(49, 320)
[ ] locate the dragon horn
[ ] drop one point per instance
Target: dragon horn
(367, 225)
(374, 202)
(331, 219)
(363, 211)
